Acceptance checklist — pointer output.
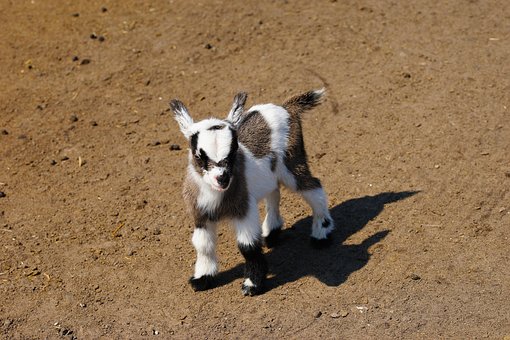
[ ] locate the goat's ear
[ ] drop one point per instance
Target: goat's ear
(182, 116)
(237, 108)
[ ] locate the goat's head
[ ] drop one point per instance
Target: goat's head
(213, 142)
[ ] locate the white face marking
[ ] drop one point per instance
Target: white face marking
(215, 139)
(216, 143)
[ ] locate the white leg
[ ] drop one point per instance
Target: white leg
(248, 234)
(322, 224)
(273, 220)
(204, 239)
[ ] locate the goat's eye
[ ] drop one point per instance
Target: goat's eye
(201, 159)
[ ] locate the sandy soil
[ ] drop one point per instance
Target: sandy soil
(412, 145)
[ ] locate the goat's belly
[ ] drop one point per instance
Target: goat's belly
(260, 179)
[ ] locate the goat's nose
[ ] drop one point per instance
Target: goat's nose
(223, 179)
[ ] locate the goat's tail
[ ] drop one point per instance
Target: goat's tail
(303, 102)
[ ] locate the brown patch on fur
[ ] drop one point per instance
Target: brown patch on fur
(295, 157)
(235, 199)
(234, 203)
(254, 133)
(194, 160)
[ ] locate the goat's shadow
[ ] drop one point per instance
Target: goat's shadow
(294, 257)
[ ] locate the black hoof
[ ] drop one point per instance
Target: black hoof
(202, 283)
(271, 240)
(321, 243)
(251, 290)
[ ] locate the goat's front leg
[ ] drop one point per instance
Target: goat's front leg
(249, 242)
(204, 239)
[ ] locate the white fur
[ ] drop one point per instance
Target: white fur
(208, 198)
(185, 121)
(248, 283)
(285, 176)
(317, 199)
(248, 230)
(260, 179)
(216, 145)
(273, 219)
(204, 240)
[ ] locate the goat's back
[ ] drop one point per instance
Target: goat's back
(264, 130)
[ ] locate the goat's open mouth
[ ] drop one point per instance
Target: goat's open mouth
(220, 188)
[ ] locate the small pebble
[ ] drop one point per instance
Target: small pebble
(75, 15)
(208, 46)
(318, 314)
(100, 38)
(93, 36)
(175, 147)
(344, 314)
(335, 315)
(53, 162)
(93, 123)
(85, 62)
(407, 75)
(83, 305)
(76, 58)
(73, 118)
(104, 9)
(4, 132)
(154, 143)
(414, 277)
(64, 158)
(2, 194)
(7, 323)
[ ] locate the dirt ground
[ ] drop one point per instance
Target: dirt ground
(412, 146)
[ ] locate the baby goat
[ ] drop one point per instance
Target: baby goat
(236, 162)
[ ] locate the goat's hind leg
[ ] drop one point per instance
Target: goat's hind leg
(322, 224)
(273, 222)
(204, 239)
(298, 178)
